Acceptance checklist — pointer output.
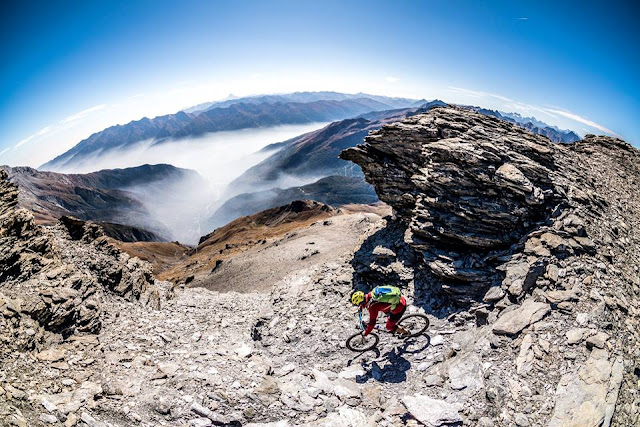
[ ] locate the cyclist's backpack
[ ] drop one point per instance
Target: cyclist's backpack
(387, 294)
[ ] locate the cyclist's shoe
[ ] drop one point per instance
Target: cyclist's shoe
(400, 332)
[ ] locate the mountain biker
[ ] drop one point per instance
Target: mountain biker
(372, 302)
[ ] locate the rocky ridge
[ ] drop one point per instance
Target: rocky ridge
(526, 237)
(52, 281)
(472, 189)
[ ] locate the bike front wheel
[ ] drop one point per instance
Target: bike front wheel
(358, 343)
(416, 324)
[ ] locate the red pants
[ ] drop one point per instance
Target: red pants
(396, 315)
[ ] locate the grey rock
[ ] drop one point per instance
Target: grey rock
(200, 422)
(465, 372)
(516, 320)
(90, 421)
(345, 389)
(521, 420)
(525, 357)
(162, 407)
(552, 273)
(49, 406)
(582, 318)
(431, 412)
(48, 418)
(598, 340)
(381, 252)
(494, 294)
(201, 410)
(588, 396)
(433, 380)
(575, 335)
(557, 297)
(436, 340)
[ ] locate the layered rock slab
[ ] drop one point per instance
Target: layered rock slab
(468, 186)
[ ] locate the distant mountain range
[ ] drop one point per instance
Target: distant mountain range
(229, 115)
(108, 197)
(304, 167)
(258, 112)
(305, 97)
(532, 124)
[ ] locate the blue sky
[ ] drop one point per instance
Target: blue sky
(73, 68)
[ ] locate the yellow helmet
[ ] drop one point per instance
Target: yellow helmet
(357, 297)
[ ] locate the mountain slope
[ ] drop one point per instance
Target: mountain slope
(232, 117)
(118, 197)
(534, 243)
(332, 190)
(552, 342)
(315, 155)
(244, 233)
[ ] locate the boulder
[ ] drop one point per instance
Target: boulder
(598, 340)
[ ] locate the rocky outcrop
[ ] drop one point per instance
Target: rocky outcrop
(473, 189)
(531, 239)
(469, 187)
(51, 280)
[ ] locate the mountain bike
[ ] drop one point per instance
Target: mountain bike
(416, 324)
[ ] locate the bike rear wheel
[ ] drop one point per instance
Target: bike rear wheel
(358, 343)
(416, 324)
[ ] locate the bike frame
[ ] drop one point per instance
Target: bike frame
(360, 317)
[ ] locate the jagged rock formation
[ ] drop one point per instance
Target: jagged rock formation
(469, 186)
(529, 236)
(49, 283)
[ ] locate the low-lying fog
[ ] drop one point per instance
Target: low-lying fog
(219, 158)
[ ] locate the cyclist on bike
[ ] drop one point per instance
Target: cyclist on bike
(386, 299)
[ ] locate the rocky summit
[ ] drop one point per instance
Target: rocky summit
(523, 253)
